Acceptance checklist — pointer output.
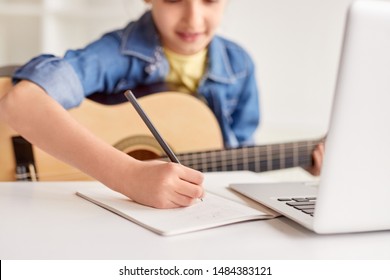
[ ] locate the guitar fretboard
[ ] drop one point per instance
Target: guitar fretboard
(253, 158)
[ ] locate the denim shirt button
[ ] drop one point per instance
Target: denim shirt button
(122, 83)
(150, 68)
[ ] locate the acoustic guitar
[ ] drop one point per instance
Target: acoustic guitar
(185, 122)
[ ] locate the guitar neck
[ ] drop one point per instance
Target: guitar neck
(253, 158)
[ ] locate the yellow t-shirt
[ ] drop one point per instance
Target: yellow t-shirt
(186, 70)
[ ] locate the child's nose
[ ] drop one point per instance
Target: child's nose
(193, 13)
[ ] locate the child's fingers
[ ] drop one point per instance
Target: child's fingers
(191, 175)
(318, 156)
(190, 190)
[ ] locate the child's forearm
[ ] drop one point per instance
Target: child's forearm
(36, 116)
(42, 121)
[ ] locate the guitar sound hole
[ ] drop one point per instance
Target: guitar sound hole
(143, 155)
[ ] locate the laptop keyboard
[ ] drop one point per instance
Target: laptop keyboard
(304, 204)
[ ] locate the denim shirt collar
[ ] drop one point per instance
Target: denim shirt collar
(219, 67)
(140, 39)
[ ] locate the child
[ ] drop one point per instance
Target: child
(174, 42)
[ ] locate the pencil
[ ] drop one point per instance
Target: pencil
(130, 96)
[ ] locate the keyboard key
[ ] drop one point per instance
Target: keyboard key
(301, 203)
(284, 199)
(308, 211)
(304, 207)
(304, 204)
(300, 199)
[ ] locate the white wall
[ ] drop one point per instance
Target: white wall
(295, 45)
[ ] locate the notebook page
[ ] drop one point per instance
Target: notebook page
(213, 211)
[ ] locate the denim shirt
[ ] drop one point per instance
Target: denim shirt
(125, 58)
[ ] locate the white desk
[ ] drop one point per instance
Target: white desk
(48, 221)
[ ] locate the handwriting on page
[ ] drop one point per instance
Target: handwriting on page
(210, 209)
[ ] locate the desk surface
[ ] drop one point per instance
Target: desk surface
(48, 221)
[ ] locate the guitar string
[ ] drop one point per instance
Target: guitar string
(285, 154)
(242, 160)
(227, 166)
(233, 153)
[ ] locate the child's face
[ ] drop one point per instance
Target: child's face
(187, 26)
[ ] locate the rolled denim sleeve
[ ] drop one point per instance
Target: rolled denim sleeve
(96, 68)
(56, 76)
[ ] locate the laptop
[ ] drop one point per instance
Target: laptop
(353, 193)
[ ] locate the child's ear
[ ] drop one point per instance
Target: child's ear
(147, 1)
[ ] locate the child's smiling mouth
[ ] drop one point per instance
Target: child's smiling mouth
(189, 36)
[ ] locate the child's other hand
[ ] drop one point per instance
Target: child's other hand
(163, 184)
(318, 157)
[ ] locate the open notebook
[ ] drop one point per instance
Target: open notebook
(213, 211)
